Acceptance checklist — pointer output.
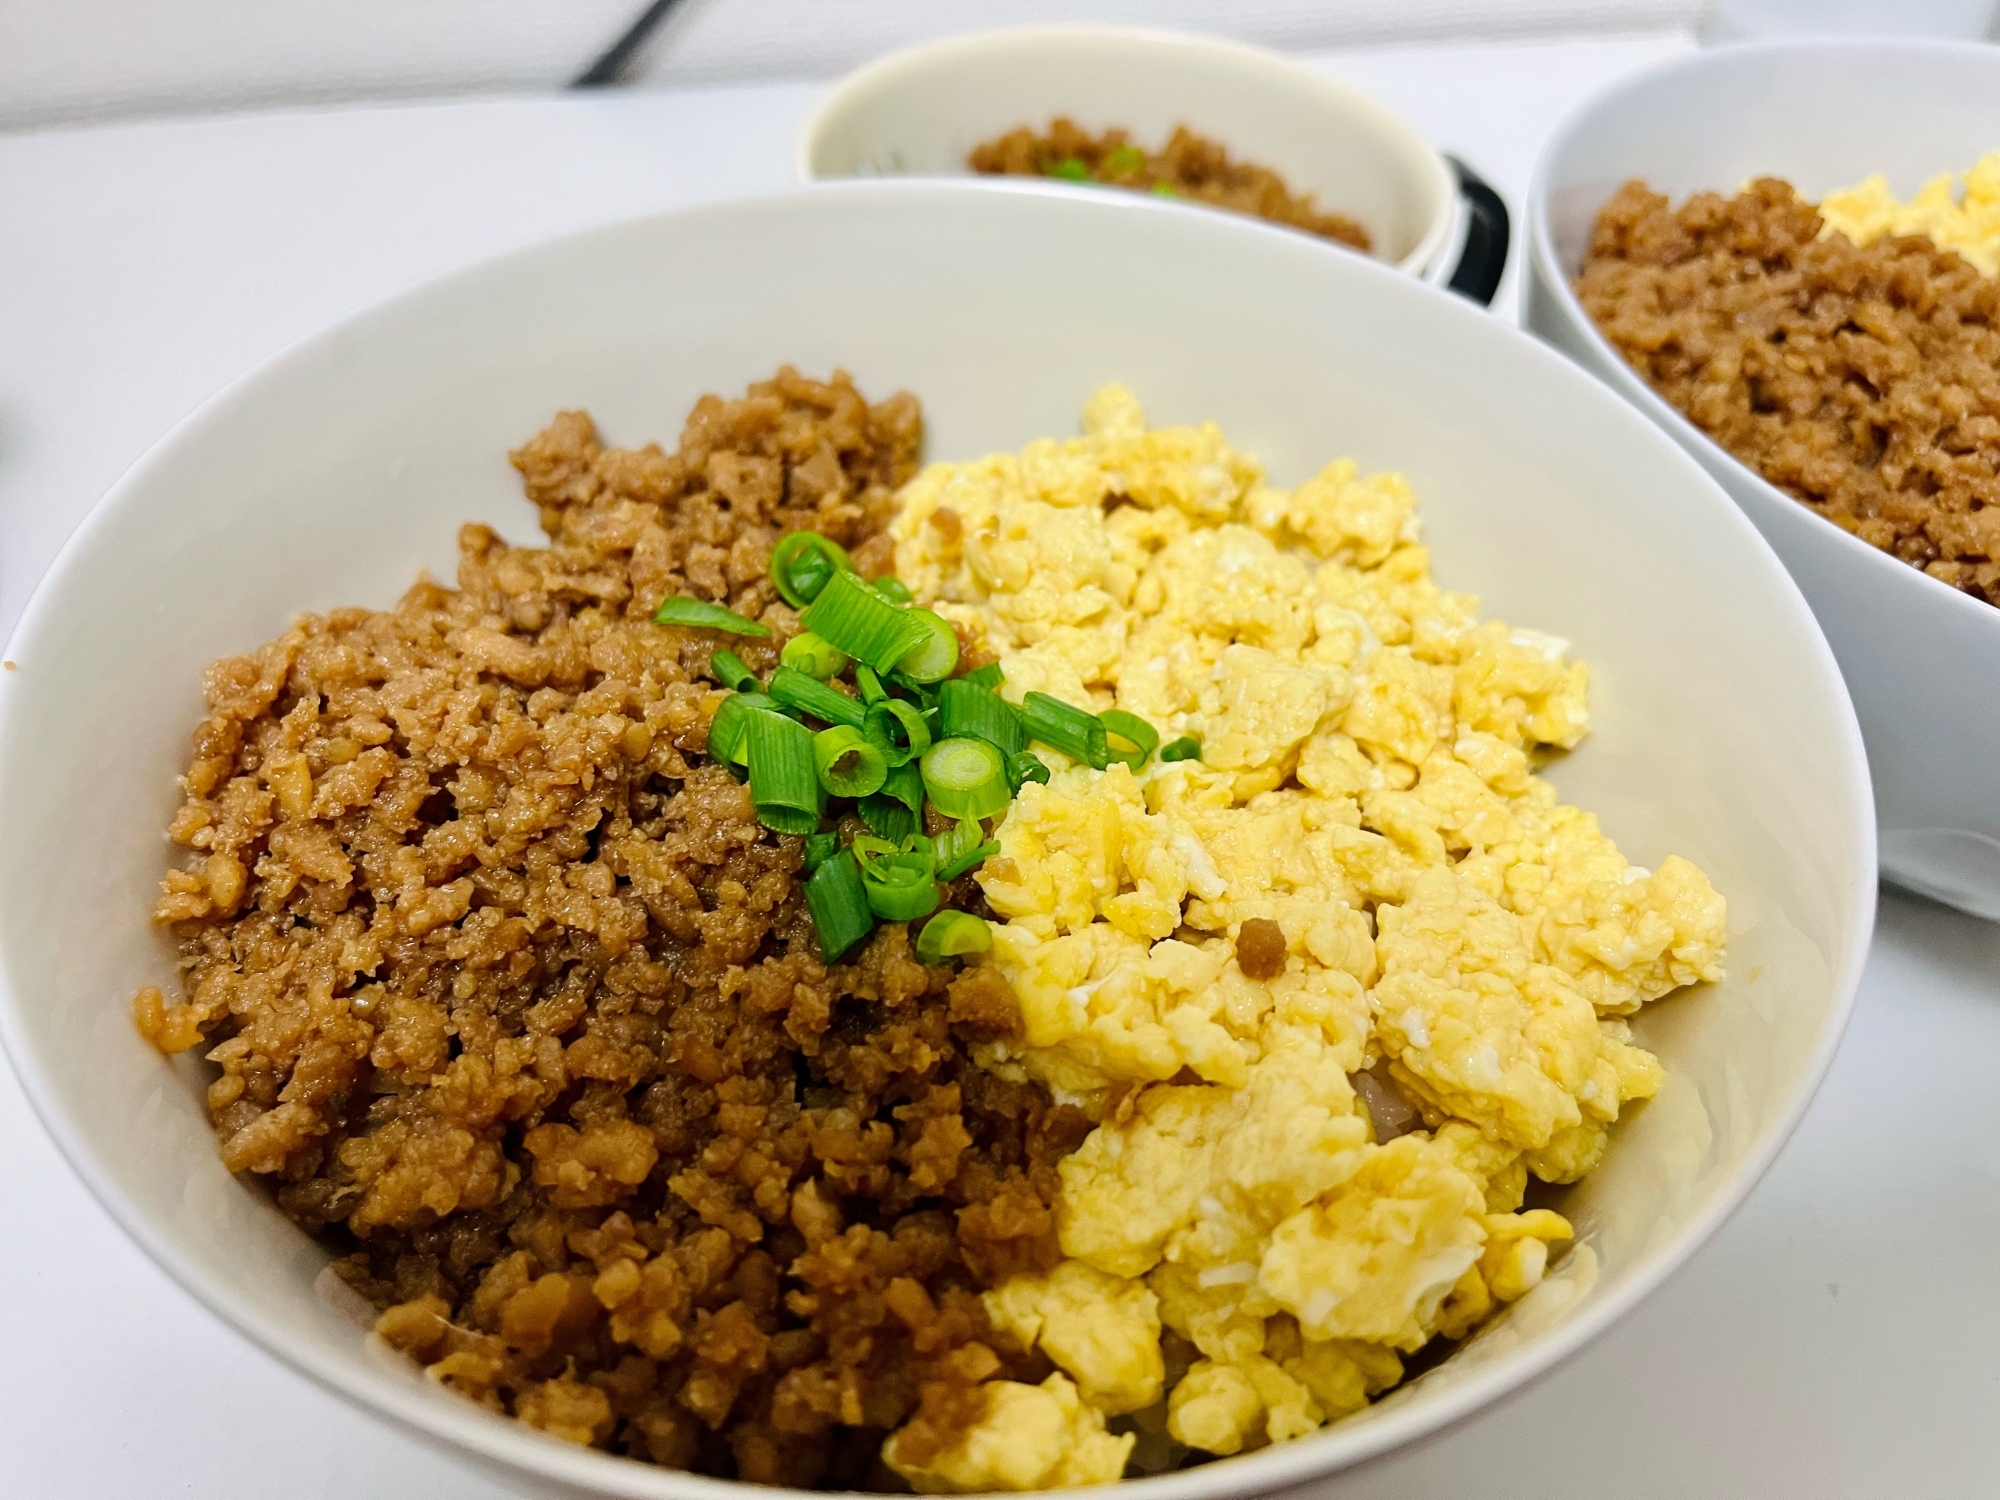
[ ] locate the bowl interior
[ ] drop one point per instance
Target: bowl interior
(1821, 115)
(335, 473)
(920, 112)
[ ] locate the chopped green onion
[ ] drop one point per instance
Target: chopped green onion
(848, 763)
(1056, 724)
(792, 687)
(906, 785)
(952, 934)
(988, 676)
(1187, 747)
(1135, 731)
(864, 624)
(839, 905)
(886, 816)
(699, 614)
(901, 887)
(1166, 190)
(894, 590)
(871, 687)
(894, 812)
(802, 564)
(966, 778)
(968, 860)
(731, 723)
(1069, 168)
(869, 847)
(1026, 767)
(966, 708)
(923, 694)
(731, 673)
(813, 656)
(784, 788)
(932, 658)
(820, 847)
(1122, 161)
(963, 835)
(898, 729)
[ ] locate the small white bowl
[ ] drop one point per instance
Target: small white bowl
(1922, 660)
(332, 474)
(920, 112)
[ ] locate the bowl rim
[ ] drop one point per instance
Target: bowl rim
(506, 1445)
(1545, 265)
(1246, 57)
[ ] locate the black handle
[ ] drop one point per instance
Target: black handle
(611, 65)
(1487, 233)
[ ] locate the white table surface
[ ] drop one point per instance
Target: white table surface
(1839, 1339)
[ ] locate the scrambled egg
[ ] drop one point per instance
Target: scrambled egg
(1246, 1259)
(1970, 225)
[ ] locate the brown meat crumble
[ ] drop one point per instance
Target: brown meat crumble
(1863, 381)
(518, 1006)
(1188, 166)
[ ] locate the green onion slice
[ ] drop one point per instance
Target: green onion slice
(894, 590)
(863, 624)
(886, 816)
(898, 729)
(901, 887)
(793, 688)
(1140, 738)
(988, 676)
(1187, 747)
(727, 730)
(1123, 161)
(871, 687)
(784, 788)
(963, 835)
(896, 811)
(814, 657)
(839, 905)
(1026, 767)
(906, 785)
(729, 670)
(964, 708)
(869, 847)
(931, 659)
(820, 847)
(966, 778)
(1075, 733)
(699, 614)
(848, 763)
(1069, 168)
(971, 859)
(923, 694)
(803, 563)
(952, 934)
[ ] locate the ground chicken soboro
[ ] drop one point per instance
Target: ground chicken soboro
(517, 1004)
(1188, 166)
(1864, 381)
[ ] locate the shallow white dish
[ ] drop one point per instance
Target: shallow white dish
(333, 473)
(919, 112)
(1920, 658)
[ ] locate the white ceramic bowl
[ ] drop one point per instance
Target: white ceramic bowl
(336, 471)
(919, 112)
(1921, 658)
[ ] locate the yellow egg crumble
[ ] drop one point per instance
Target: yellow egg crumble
(1247, 1261)
(1969, 224)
